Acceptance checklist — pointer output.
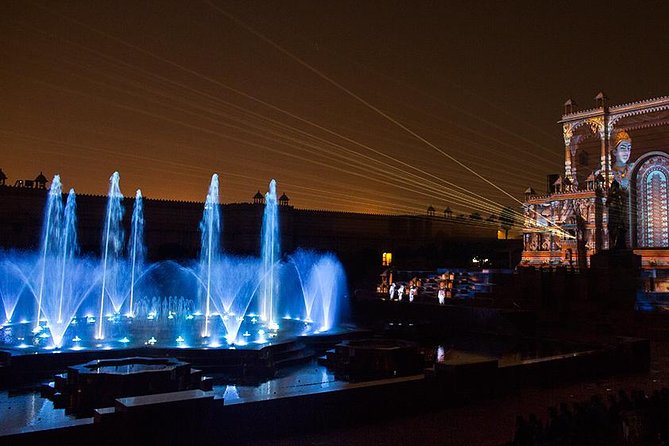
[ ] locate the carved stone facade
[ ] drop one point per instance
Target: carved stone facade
(614, 192)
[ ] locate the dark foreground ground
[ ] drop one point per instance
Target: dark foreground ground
(484, 422)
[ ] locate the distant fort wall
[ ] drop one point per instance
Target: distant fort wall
(172, 229)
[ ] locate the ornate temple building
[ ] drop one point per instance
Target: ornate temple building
(613, 193)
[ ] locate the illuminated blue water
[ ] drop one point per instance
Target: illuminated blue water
(57, 297)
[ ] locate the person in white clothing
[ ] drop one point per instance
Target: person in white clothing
(442, 296)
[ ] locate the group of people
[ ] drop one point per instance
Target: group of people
(396, 292)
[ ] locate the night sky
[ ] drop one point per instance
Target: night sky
(169, 92)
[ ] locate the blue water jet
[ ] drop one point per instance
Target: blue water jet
(136, 249)
(50, 247)
(270, 251)
(112, 250)
(210, 251)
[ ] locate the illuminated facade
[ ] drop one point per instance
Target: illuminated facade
(613, 192)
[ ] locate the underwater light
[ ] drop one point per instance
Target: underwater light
(151, 341)
(254, 320)
(189, 317)
(124, 340)
(24, 321)
(23, 345)
(37, 329)
(246, 334)
(273, 326)
(197, 313)
(76, 348)
(76, 339)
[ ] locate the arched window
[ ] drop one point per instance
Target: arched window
(652, 187)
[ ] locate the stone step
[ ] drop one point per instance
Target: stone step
(103, 414)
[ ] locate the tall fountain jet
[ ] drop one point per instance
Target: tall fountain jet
(69, 247)
(60, 309)
(271, 255)
(112, 251)
(51, 245)
(210, 253)
(136, 248)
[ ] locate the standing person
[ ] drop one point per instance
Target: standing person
(442, 296)
(400, 292)
(391, 291)
(412, 292)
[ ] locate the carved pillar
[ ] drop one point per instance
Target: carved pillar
(567, 134)
(604, 153)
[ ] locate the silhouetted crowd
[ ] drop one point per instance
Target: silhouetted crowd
(636, 419)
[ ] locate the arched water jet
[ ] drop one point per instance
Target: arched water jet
(83, 279)
(301, 260)
(321, 278)
(14, 281)
(232, 277)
